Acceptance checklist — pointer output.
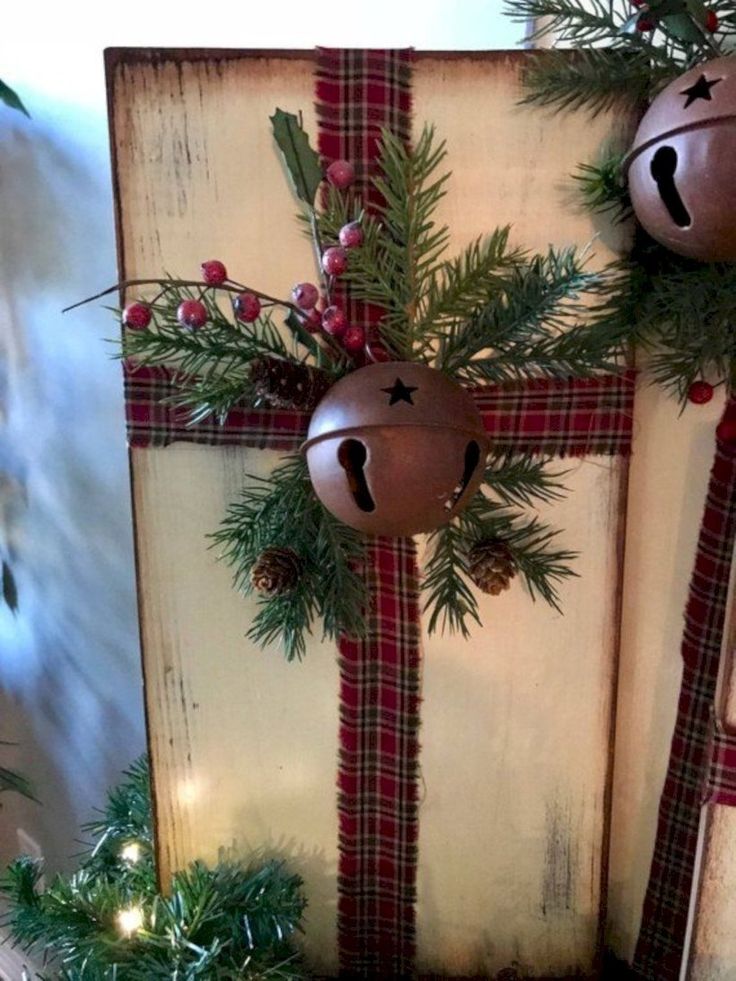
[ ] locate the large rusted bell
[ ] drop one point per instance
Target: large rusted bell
(682, 166)
(396, 448)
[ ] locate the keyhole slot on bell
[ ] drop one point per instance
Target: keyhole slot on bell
(472, 458)
(663, 168)
(352, 456)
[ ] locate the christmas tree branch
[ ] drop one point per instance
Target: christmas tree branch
(529, 541)
(603, 188)
(522, 331)
(450, 599)
(231, 921)
(282, 511)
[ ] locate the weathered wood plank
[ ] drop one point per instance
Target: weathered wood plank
(516, 757)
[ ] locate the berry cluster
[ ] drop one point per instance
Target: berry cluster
(316, 310)
(329, 317)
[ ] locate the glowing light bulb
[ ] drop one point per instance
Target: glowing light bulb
(131, 852)
(130, 920)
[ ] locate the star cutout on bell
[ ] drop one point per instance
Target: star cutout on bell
(699, 90)
(400, 392)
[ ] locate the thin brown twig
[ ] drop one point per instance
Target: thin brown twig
(171, 283)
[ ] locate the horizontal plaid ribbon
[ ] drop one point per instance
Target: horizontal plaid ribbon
(720, 783)
(661, 942)
(572, 417)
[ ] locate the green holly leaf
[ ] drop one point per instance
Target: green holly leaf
(10, 98)
(302, 162)
(10, 590)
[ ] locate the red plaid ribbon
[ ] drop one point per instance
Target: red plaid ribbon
(152, 419)
(660, 946)
(573, 417)
(359, 93)
(720, 785)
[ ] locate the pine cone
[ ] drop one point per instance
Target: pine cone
(285, 384)
(276, 571)
(491, 565)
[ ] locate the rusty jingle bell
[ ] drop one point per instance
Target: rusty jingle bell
(682, 166)
(396, 448)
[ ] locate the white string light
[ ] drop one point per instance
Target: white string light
(131, 852)
(130, 920)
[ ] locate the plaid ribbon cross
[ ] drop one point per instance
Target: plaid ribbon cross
(358, 94)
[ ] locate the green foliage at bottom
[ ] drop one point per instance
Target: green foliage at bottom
(109, 922)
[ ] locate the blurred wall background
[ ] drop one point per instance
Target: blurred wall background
(70, 682)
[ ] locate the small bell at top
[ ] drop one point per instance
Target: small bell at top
(682, 166)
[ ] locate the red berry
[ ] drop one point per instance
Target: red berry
(700, 392)
(214, 272)
(354, 339)
(334, 321)
(191, 313)
(334, 261)
(711, 21)
(645, 24)
(351, 236)
(247, 306)
(305, 295)
(726, 431)
(341, 174)
(137, 315)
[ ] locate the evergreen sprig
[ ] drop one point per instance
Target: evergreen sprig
(281, 510)
(216, 924)
(680, 311)
(512, 481)
(530, 326)
(403, 244)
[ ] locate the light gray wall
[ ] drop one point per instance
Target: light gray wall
(70, 683)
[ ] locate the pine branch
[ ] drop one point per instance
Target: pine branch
(516, 480)
(282, 511)
(450, 599)
(603, 187)
(512, 481)
(531, 544)
(213, 364)
(234, 921)
(597, 79)
(402, 245)
(523, 330)
(683, 312)
(460, 286)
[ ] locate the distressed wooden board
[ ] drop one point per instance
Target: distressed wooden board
(712, 955)
(517, 721)
(670, 467)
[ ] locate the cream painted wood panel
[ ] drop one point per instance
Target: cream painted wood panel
(517, 722)
(713, 909)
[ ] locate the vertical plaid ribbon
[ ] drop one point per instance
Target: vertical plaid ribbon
(660, 946)
(359, 93)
